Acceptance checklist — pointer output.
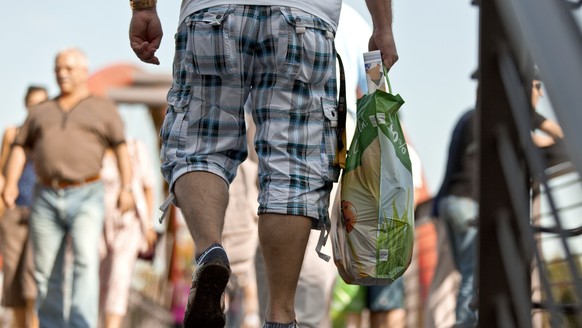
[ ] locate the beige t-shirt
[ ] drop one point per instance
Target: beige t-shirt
(70, 145)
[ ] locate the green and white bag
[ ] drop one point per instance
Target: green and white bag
(373, 233)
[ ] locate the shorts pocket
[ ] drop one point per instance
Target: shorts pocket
(179, 96)
(171, 133)
(305, 48)
(329, 165)
(180, 92)
(211, 42)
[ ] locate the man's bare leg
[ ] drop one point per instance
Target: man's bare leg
(203, 198)
(283, 240)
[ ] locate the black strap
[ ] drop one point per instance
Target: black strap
(341, 126)
(341, 106)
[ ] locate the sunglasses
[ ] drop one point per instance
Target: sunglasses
(538, 85)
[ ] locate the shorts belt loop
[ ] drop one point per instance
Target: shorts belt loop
(298, 28)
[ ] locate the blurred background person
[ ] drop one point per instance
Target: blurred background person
(68, 137)
(240, 239)
(19, 292)
(456, 204)
(551, 139)
(126, 234)
(452, 295)
(565, 187)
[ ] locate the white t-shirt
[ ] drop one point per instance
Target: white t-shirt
(351, 42)
(328, 10)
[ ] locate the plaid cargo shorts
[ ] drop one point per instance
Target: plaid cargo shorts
(280, 62)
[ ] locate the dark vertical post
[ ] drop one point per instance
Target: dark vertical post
(501, 257)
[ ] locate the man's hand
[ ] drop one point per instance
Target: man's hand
(145, 34)
(382, 37)
(151, 238)
(384, 41)
(125, 201)
(10, 194)
(2, 182)
(2, 206)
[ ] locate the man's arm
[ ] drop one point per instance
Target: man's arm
(7, 141)
(150, 234)
(125, 201)
(552, 128)
(13, 172)
(542, 140)
(382, 37)
(145, 34)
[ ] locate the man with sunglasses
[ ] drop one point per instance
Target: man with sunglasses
(552, 131)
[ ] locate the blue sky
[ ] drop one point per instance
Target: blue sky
(436, 40)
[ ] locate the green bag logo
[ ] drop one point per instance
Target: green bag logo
(398, 142)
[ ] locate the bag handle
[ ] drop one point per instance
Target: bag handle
(342, 110)
(387, 79)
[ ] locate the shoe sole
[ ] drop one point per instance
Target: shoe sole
(205, 310)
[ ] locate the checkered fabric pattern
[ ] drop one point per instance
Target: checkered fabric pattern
(280, 61)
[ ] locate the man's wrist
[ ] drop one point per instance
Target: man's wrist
(142, 4)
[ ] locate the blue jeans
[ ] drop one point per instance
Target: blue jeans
(458, 213)
(76, 212)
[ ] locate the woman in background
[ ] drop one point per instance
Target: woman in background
(124, 235)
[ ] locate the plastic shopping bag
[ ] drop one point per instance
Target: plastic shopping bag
(373, 233)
